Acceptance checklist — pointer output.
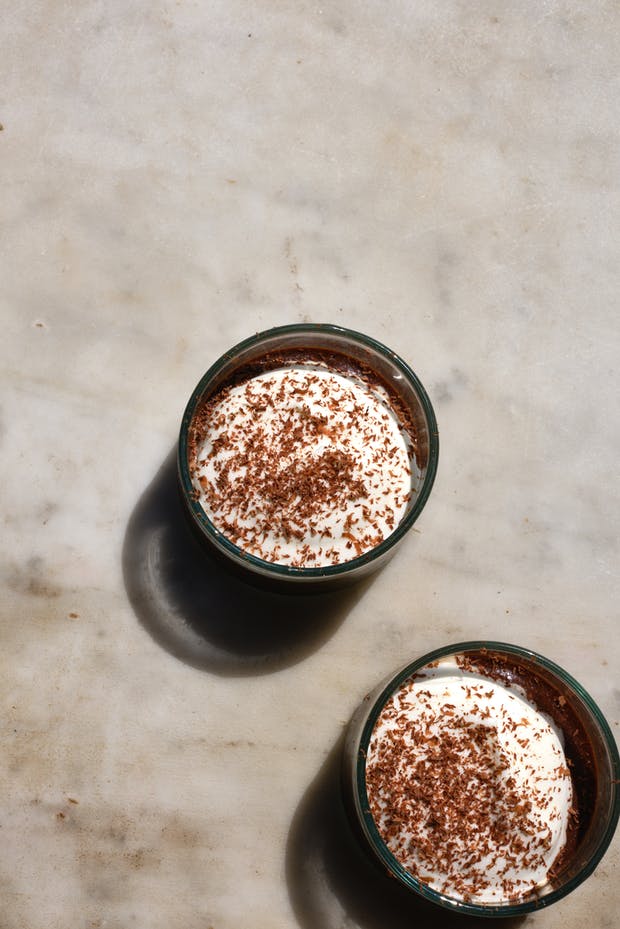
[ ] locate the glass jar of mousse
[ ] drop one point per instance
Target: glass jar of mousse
(484, 778)
(306, 454)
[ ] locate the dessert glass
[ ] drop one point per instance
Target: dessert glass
(391, 370)
(595, 833)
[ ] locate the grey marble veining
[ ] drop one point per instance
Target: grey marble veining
(442, 176)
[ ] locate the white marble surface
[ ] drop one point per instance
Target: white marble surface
(441, 175)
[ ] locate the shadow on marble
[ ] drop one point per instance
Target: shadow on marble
(332, 882)
(206, 616)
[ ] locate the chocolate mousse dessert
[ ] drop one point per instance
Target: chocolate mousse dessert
(480, 778)
(303, 457)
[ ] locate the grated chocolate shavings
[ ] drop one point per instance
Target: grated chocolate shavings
(283, 463)
(441, 792)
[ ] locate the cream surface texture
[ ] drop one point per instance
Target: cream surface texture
(520, 756)
(271, 440)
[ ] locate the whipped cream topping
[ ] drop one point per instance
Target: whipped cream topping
(302, 465)
(469, 785)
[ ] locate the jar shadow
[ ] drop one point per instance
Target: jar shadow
(332, 882)
(204, 615)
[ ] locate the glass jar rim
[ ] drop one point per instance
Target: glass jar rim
(370, 828)
(287, 571)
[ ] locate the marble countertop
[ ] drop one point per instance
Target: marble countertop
(177, 176)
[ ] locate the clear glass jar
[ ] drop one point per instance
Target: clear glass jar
(390, 369)
(603, 805)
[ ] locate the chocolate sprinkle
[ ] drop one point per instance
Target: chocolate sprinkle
(284, 471)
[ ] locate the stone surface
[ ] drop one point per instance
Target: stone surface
(441, 176)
